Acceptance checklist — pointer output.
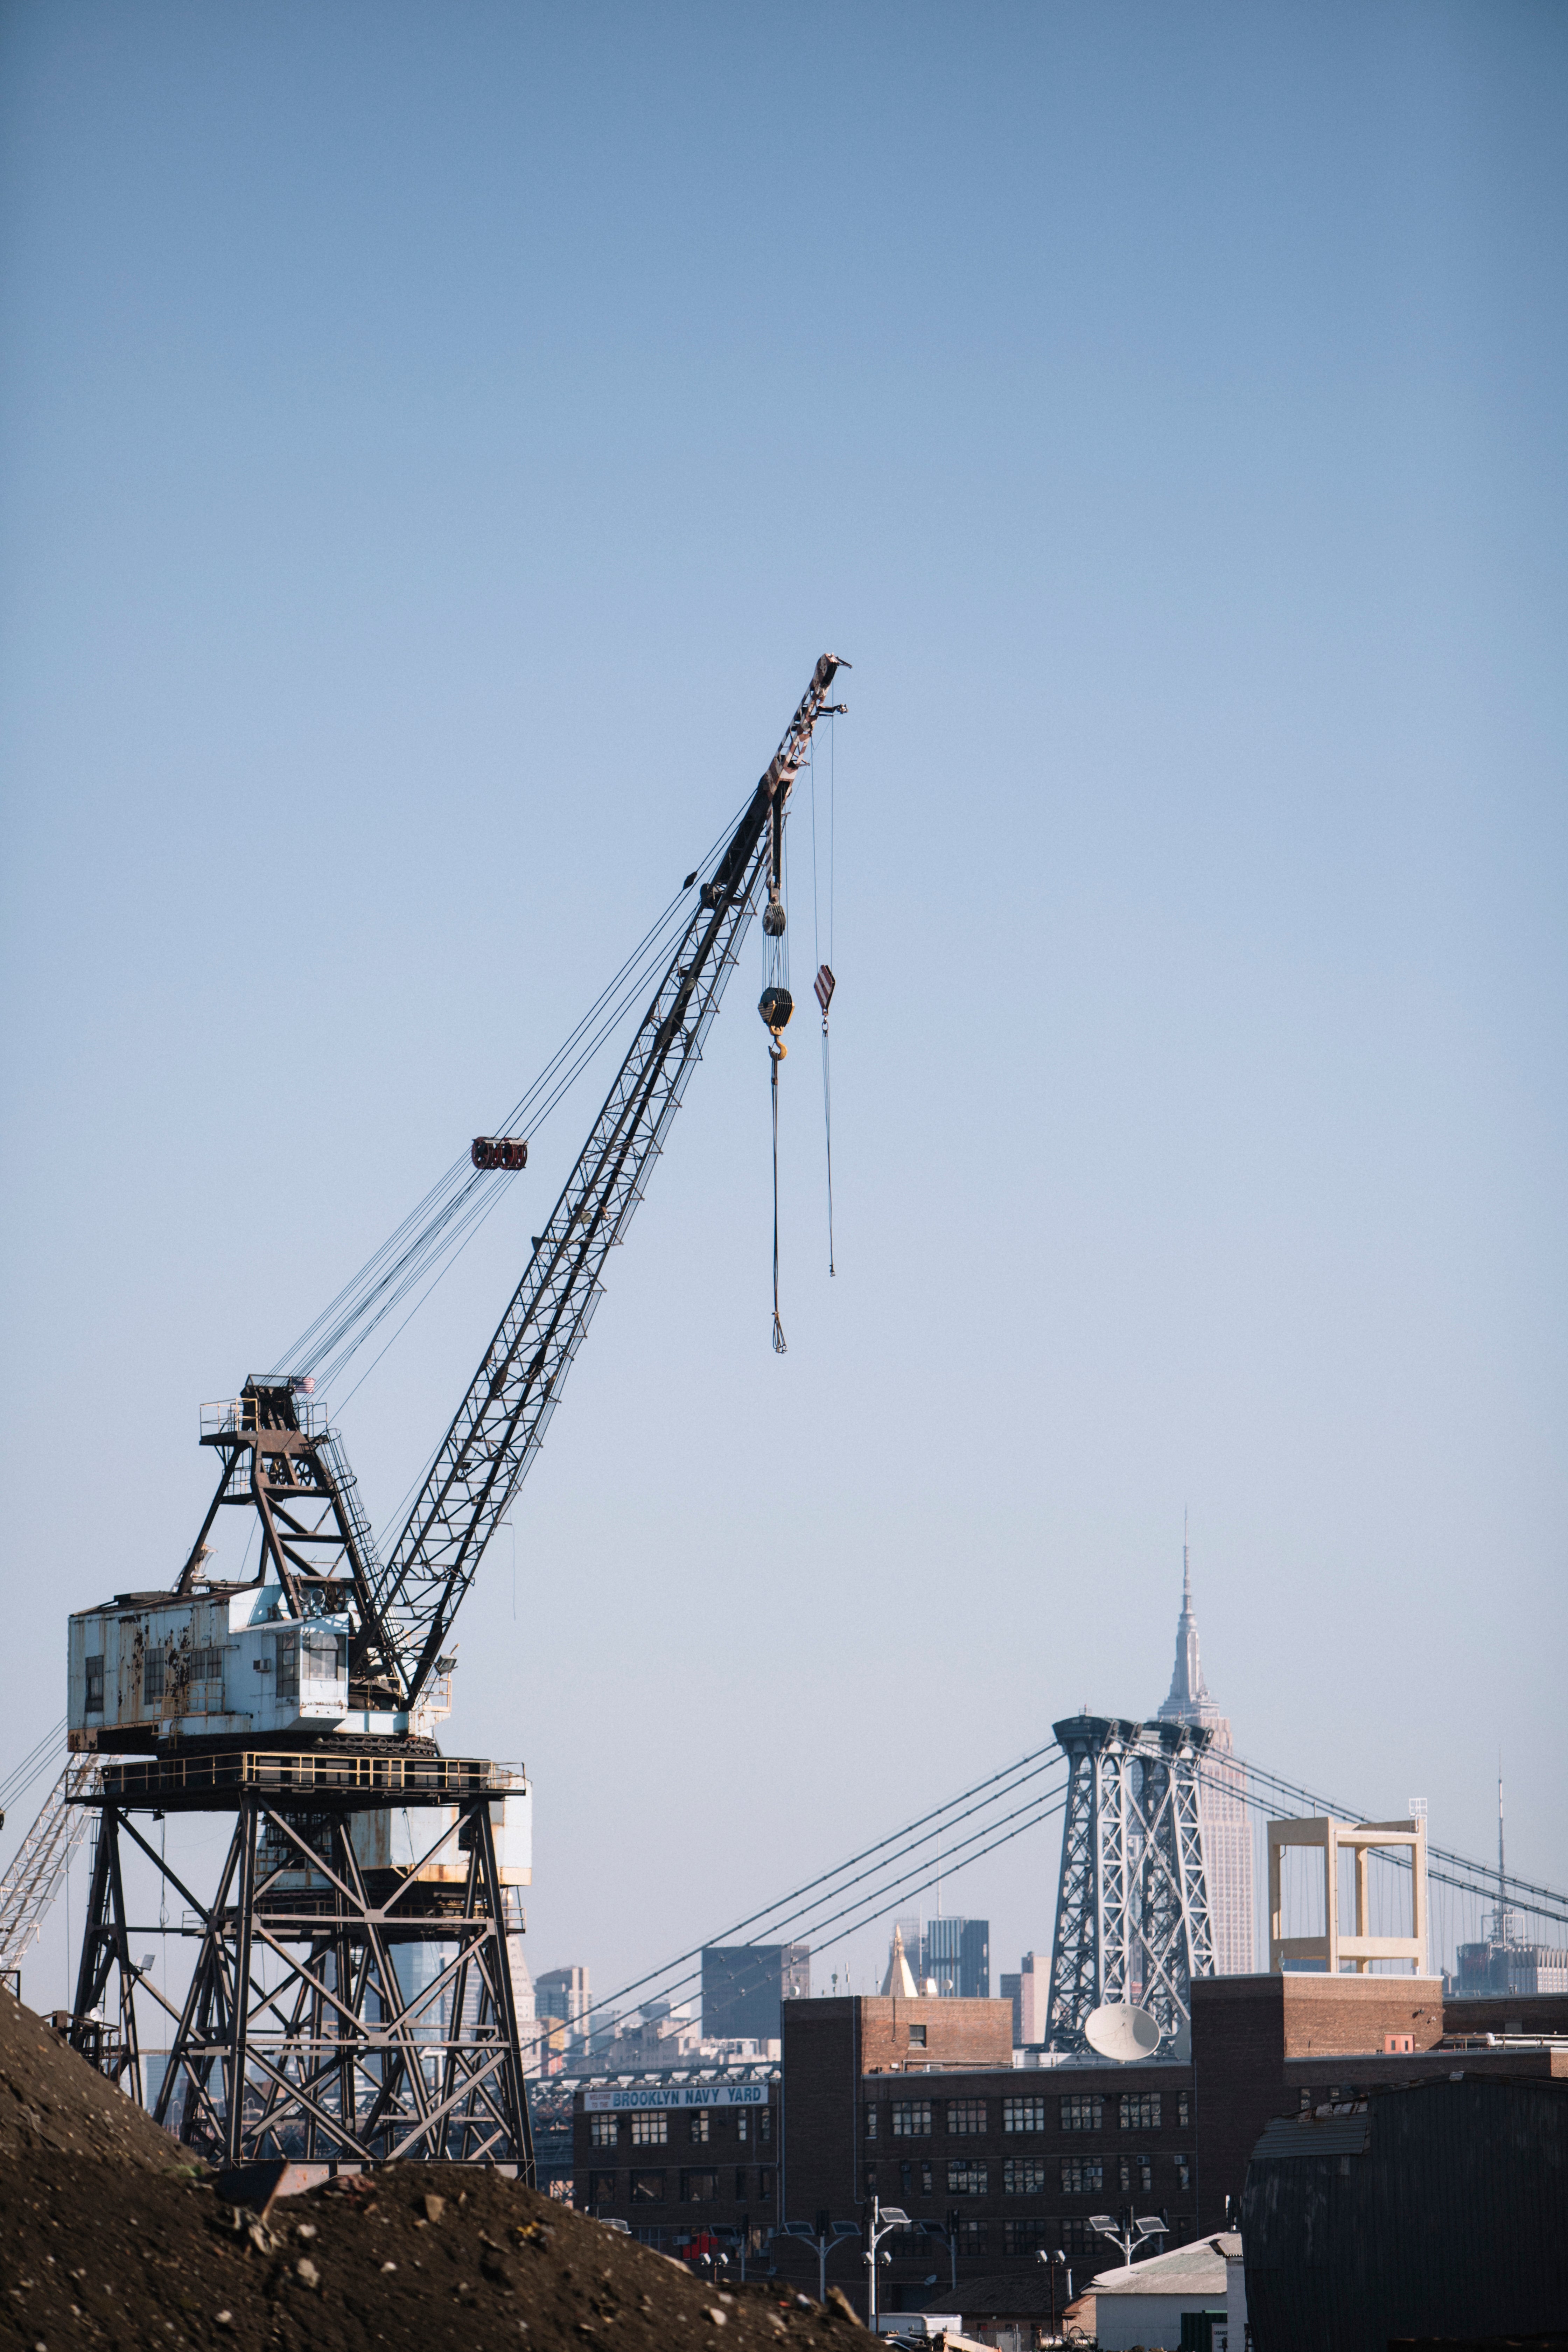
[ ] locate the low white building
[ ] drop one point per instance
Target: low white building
(1145, 2303)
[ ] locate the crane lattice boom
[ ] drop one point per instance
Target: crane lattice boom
(500, 1424)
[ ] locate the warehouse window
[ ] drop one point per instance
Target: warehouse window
(1022, 2115)
(966, 2177)
(912, 2119)
(870, 2119)
(766, 2126)
(699, 2188)
(604, 2130)
(601, 2188)
(95, 1685)
(1023, 2175)
(647, 2188)
(1080, 2112)
(1081, 2175)
(649, 2131)
(697, 2124)
(1184, 2115)
(1024, 2237)
(742, 2125)
(972, 2237)
(1136, 2172)
(916, 2037)
(928, 2179)
(1080, 2238)
(966, 2115)
(765, 2185)
(740, 2184)
(1139, 2111)
(1183, 2172)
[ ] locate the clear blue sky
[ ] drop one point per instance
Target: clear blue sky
(437, 444)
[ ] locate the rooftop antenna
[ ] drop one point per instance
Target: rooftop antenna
(1504, 1924)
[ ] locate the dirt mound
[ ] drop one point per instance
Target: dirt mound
(108, 2238)
(50, 2099)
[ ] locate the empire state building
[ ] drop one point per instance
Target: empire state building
(1222, 1802)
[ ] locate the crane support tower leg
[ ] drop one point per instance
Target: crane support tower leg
(342, 2009)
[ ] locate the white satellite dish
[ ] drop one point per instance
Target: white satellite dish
(1119, 2030)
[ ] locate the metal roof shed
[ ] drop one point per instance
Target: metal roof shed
(1438, 2209)
(1145, 2303)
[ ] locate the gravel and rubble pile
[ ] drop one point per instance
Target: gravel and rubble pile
(110, 2237)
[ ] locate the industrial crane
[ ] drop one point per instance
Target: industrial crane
(331, 1642)
(354, 1994)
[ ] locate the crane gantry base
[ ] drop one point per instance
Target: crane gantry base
(336, 2014)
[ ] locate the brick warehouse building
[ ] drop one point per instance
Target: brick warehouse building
(687, 2158)
(920, 2103)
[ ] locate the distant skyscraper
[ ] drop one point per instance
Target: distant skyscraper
(1028, 1992)
(1221, 1804)
(955, 1954)
(562, 1994)
(746, 1984)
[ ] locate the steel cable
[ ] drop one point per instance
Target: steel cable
(934, 1826)
(438, 1222)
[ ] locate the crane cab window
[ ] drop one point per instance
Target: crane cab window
(95, 1685)
(288, 1666)
(325, 1656)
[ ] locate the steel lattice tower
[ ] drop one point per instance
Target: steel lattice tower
(1133, 1907)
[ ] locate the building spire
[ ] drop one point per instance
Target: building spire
(1188, 1693)
(899, 1981)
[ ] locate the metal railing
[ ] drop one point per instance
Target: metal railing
(226, 1417)
(416, 1780)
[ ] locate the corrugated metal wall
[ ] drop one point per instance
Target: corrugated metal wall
(1454, 2222)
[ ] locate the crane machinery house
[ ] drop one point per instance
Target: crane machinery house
(235, 1664)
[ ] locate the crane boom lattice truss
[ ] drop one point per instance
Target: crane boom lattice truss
(38, 1865)
(1133, 1907)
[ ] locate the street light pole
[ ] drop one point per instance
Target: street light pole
(1053, 2263)
(1126, 2232)
(949, 2237)
(824, 2236)
(885, 2220)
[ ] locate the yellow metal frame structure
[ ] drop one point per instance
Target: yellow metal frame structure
(1331, 1838)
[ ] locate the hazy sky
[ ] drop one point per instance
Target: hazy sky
(437, 443)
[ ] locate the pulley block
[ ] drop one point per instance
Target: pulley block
(775, 1004)
(500, 1151)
